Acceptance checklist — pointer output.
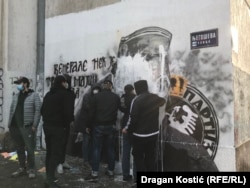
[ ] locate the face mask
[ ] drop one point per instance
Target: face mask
(66, 85)
(95, 91)
(20, 87)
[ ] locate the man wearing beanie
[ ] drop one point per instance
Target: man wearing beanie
(57, 113)
(103, 115)
(144, 126)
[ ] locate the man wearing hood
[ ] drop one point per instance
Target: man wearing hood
(23, 121)
(63, 163)
(57, 113)
(144, 126)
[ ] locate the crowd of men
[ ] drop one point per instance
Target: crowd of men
(96, 127)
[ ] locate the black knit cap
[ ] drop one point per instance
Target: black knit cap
(59, 80)
(141, 86)
(107, 81)
(128, 88)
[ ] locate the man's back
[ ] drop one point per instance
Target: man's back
(56, 107)
(105, 107)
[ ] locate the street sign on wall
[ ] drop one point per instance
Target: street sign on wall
(203, 39)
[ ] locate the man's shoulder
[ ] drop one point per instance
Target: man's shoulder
(116, 95)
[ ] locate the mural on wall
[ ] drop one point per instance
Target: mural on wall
(190, 127)
(197, 124)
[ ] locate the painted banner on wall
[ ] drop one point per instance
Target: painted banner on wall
(196, 83)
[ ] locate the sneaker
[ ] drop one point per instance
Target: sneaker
(60, 169)
(127, 178)
(110, 174)
(52, 185)
(134, 185)
(19, 172)
(91, 178)
(49, 184)
(66, 165)
(32, 173)
(38, 148)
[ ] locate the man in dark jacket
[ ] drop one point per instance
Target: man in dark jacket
(82, 124)
(144, 126)
(63, 163)
(103, 116)
(57, 114)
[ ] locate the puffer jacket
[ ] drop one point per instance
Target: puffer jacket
(32, 106)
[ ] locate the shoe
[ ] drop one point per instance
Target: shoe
(55, 180)
(134, 185)
(19, 172)
(60, 169)
(52, 185)
(49, 184)
(32, 173)
(127, 178)
(91, 178)
(110, 174)
(38, 148)
(66, 165)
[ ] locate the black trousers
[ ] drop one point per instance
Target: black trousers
(24, 139)
(64, 149)
(54, 139)
(144, 152)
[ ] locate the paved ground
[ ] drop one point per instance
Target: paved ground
(72, 178)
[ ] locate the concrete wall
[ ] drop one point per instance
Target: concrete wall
(59, 7)
(240, 21)
(19, 41)
(3, 41)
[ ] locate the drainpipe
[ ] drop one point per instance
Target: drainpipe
(40, 47)
(40, 143)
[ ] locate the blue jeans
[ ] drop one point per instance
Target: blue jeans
(86, 147)
(126, 154)
(103, 134)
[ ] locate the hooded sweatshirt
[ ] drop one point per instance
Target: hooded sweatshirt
(144, 115)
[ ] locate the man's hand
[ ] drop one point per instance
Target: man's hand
(33, 128)
(88, 130)
(124, 131)
(79, 137)
(72, 124)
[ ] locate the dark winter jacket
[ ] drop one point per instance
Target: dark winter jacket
(57, 108)
(126, 100)
(83, 119)
(144, 115)
(104, 108)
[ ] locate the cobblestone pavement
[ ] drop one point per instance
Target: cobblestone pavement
(71, 178)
